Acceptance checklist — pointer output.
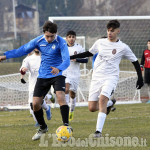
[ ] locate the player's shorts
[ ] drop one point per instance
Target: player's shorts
(73, 84)
(147, 76)
(43, 85)
(104, 87)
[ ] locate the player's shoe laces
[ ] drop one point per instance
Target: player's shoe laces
(71, 115)
(38, 135)
(48, 113)
(110, 107)
(52, 99)
(97, 134)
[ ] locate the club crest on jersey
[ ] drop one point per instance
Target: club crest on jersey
(114, 51)
(53, 46)
(75, 52)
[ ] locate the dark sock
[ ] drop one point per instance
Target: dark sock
(64, 109)
(40, 118)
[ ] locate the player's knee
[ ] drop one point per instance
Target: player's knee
(36, 105)
(91, 108)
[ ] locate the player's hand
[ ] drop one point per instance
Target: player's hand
(23, 70)
(23, 81)
(54, 71)
(139, 83)
(2, 58)
(142, 68)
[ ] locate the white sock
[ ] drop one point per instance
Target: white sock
(109, 103)
(100, 121)
(45, 106)
(73, 104)
(48, 96)
(67, 98)
(32, 113)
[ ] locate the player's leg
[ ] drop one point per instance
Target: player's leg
(41, 88)
(110, 105)
(47, 108)
(101, 115)
(67, 97)
(72, 105)
(59, 87)
(106, 88)
(31, 107)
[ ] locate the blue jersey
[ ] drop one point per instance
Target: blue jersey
(54, 54)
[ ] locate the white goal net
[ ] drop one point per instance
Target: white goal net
(134, 31)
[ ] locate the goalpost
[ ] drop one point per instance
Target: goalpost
(135, 32)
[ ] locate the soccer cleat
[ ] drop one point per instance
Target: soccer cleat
(109, 108)
(71, 115)
(66, 124)
(48, 113)
(97, 134)
(37, 124)
(38, 135)
(52, 99)
(113, 108)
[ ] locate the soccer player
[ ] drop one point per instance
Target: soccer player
(72, 73)
(145, 65)
(31, 64)
(54, 59)
(106, 71)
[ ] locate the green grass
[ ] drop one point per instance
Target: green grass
(17, 127)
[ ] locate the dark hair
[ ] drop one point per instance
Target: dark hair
(71, 32)
(50, 27)
(148, 41)
(113, 24)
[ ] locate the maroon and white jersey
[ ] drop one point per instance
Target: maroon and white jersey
(145, 61)
(109, 57)
(73, 71)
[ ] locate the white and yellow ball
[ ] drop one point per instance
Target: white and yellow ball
(64, 133)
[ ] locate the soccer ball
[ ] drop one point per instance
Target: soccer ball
(63, 133)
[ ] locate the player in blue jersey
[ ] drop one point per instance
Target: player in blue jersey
(54, 59)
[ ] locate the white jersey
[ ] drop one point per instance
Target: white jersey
(73, 71)
(109, 56)
(32, 63)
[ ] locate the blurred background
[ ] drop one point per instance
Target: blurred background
(22, 20)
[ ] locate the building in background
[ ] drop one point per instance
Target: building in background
(27, 21)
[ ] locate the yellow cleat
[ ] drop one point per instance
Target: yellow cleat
(52, 99)
(71, 115)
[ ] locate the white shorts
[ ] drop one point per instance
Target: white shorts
(73, 84)
(104, 87)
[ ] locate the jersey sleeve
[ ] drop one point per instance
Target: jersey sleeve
(65, 57)
(94, 48)
(25, 63)
(129, 54)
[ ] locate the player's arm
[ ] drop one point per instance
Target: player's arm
(142, 61)
(65, 60)
(81, 55)
(140, 82)
(131, 56)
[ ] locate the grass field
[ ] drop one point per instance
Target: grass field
(17, 128)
